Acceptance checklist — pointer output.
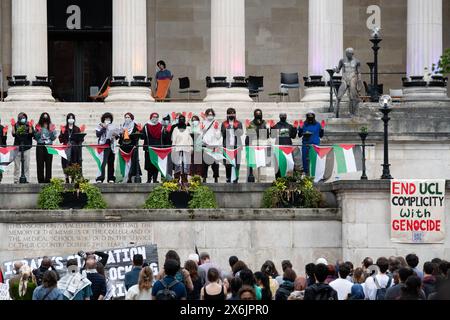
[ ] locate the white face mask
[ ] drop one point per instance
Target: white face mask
(166, 122)
(107, 122)
(127, 121)
(195, 123)
(154, 120)
(210, 118)
(71, 121)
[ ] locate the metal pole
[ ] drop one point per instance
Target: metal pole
(137, 177)
(363, 136)
(386, 165)
(23, 178)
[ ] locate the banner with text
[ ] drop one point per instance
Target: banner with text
(418, 211)
(120, 261)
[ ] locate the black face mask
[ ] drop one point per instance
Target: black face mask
(258, 116)
(231, 118)
(283, 119)
(310, 119)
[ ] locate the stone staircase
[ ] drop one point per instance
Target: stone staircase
(89, 114)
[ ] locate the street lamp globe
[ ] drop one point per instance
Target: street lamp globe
(385, 101)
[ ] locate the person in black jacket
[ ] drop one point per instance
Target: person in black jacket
(70, 136)
(23, 133)
(46, 265)
(3, 137)
(232, 132)
(283, 132)
(258, 131)
(320, 290)
(131, 143)
(98, 282)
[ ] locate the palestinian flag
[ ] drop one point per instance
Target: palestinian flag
(97, 152)
(231, 156)
(159, 157)
(123, 165)
(285, 159)
(7, 155)
(348, 158)
(58, 151)
(320, 162)
(215, 153)
(255, 156)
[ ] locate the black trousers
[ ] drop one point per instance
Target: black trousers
(210, 162)
(108, 160)
(228, 168)
(44, 164)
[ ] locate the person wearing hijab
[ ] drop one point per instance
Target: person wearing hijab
(152, 134)
(44, 134)
(130, 144)
(182, 149)
(69, 136)
(196, 158)
(312, 132)
(107, 133)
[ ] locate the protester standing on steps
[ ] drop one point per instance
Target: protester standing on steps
(44, 134)
(107, 133)
(152, 134)
(70, 136)
(129, 142)
(212, 141)
(3, 138)
(182, 149)
(311, 131)
(283, 133)
(232, 132)
(23, 133)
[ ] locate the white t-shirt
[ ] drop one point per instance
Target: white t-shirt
(134, 294)
(370, 288)
(343, 288)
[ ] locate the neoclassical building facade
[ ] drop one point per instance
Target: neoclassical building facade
(79, 43)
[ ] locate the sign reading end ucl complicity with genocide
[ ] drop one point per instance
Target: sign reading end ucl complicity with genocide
(418, 211)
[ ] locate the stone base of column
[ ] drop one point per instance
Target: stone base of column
(124, 94)
(227, 95)
(425, 94)
(317, 94)
(29, 93)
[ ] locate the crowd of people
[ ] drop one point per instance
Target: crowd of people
(200, 278)
(197, 143)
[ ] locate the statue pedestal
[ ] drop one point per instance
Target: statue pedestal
(425, 94)
(227, 95)
(135, 94)
(29, 93)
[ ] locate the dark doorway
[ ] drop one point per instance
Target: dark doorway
(79, 47)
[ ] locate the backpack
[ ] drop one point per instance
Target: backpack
(381, 292)
(326, 294)
(166, 293)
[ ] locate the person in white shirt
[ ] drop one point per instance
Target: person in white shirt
(182, 149)
(142, 290)
(378, 281)
(212, 140)
(342, 285)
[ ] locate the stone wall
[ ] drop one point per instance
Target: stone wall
(366, 224)
(286, 235)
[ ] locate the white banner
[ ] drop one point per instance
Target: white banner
(4, 292)
(418, 211)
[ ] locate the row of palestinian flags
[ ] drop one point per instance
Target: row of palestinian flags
(321, 159)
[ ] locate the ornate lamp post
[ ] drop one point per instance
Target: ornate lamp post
(376, 39)
(385, 103)
(363, 135)
(23, 178)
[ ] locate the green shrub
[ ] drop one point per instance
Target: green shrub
(94, 195)
(203, 198)
(50, 198)
(159, 199)
(297, 191)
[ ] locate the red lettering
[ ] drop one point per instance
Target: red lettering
(395, 187)
(416, 225)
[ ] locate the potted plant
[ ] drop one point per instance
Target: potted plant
(74, 198)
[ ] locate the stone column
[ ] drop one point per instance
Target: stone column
(29, 49)
(228, 48)
(129, 49)
(425, 45)
(325, 43)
